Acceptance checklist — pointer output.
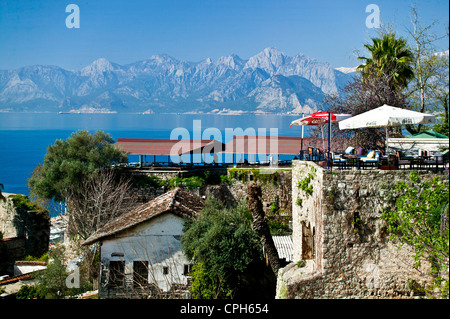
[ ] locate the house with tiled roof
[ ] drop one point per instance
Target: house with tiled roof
(140, 251)
(24, 271)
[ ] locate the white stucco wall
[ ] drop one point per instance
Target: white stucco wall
(25, 269)
(156, 241)
(412, 145)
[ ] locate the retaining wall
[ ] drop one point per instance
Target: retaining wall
(339, 237)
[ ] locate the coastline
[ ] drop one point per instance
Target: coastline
(235, 112)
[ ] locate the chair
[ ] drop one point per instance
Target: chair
(402, 160)
(365, 155)
(349, 150)
(328, 158)
(302, 156)
(392, 161)
(312, 155)
(445, 157)
(436, 162)
(337, 160)
(371, 160)
(320, 155)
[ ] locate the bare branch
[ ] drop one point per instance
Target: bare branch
(102, 197)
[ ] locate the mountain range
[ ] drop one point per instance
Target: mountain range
(269, 82)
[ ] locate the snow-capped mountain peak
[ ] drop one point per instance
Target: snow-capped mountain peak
(98, 66)
(231, 61)
(346, 70)
(270, 81)
(269, 60)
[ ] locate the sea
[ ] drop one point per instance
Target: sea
(24, 137)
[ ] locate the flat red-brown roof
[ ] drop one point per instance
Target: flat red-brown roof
(146, 146)
(282, 145)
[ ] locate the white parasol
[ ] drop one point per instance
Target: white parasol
(385, 116)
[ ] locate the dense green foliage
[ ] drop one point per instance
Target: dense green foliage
(43, 257)
(206, 285)
(305, 184)
(402, 72)
(277, 221)
(192, 182)
(223, 247)
(29, 292)
(257, 175)
(420, 219)
(22, 202)
(51, 282)
(68, 161)
(187, 182)
(390, 57)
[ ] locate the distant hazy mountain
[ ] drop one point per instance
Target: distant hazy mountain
(267, 82)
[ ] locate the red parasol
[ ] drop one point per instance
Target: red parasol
(320, 118)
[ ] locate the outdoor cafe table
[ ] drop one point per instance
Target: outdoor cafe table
(415, 162)
(424, 160)
(352, 160)
(418, 162)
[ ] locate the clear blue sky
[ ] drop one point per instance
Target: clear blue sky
(34, 32)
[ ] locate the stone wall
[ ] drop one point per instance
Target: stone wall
(340, 249)
(275, 188)
(171, 172)
(35, 227)
(7, 214)
(11, 249)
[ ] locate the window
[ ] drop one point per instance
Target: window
(307, 242)
(314, 242)
(187, 269)
(165, 270)
(117, 273)
(140, 273)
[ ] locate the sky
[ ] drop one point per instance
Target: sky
(125, 31)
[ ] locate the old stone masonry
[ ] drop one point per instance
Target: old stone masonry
(340, 248)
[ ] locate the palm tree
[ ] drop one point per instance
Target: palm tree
(391, 58)
(259, 225)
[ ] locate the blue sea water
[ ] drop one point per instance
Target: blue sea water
(24, 137)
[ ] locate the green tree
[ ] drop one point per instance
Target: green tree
(29, 292)
(429, 91)
(51, 283)
(420, 219)
(381, 80)
(225, 251)
(68, 162)
(391, 57)
(207, 285)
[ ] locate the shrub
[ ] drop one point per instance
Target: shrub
(420, 219)
(304, 184)
(22, 202)
(222, 245)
